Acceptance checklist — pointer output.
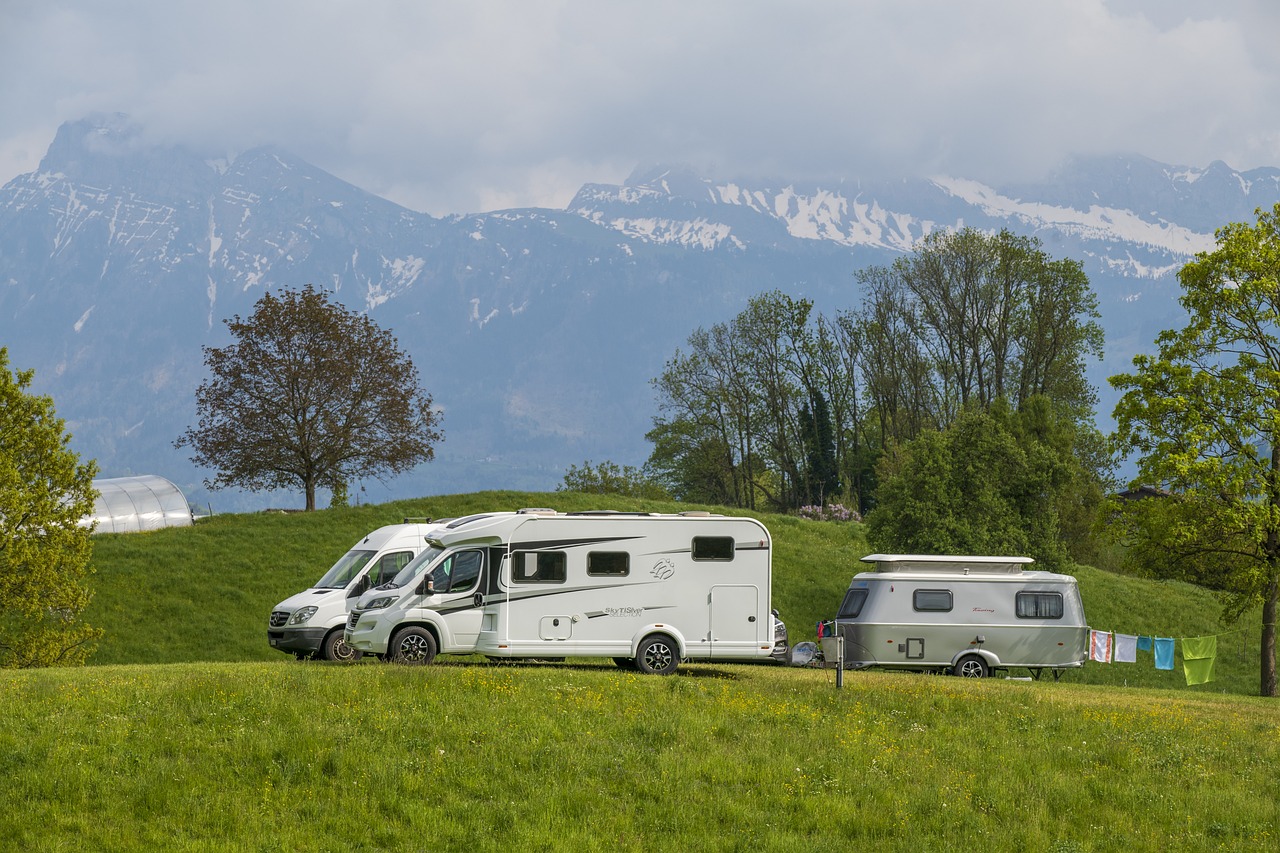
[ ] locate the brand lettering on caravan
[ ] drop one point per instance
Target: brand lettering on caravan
(624, 611)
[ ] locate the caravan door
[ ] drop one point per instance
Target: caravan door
(735, 620)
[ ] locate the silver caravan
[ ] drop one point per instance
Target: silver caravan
(645, 589)
(964, 615)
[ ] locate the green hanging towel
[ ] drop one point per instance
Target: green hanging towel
(1198, 654)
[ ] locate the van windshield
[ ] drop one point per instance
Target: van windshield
(413, 568)
(348, 566)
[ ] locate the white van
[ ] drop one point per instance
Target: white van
(311, 623)
(645, 589)
(966, 615)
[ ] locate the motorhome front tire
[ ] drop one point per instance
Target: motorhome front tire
(413, 645)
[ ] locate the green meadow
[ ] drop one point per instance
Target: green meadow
(187, 732)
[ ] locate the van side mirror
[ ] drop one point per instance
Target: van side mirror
(360, 587)
(427, 587)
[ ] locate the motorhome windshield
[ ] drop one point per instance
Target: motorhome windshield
(413, 568)
(348, 566)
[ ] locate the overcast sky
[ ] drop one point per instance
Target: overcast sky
(460, 107)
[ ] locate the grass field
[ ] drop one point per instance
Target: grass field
(187, 732)
(475, 756)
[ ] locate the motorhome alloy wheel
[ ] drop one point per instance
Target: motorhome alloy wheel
(658, 656)
(414, 646)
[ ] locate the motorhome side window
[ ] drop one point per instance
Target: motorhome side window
(934, 600)
(538, 567)
(851, 607)
(458, 572)
(1038, 605)
(713, 548)
(609, 563)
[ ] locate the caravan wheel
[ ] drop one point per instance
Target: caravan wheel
(413, 646)
(972, 667)
(657, 655)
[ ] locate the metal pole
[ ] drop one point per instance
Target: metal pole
(839, 662)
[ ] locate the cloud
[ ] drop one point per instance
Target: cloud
(453, 107)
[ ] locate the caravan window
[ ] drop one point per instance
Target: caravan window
(1038, 605)
(538, 567)
(937, 600)
(713, 548)
(609, 563)
(851, 607)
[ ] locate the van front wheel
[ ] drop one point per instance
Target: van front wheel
(413, 646)
(657, 655)
(336, 647)
(972, 667)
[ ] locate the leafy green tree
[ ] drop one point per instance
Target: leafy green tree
(45, 492)
(990, 316)
(610, 478)
(312, 395)
(987, 484)
(1203, 417)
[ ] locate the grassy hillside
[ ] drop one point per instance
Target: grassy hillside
(476, 756)
(204, 593)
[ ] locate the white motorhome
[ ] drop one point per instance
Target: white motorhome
(645, 589)
(311, 623)
(965, 615)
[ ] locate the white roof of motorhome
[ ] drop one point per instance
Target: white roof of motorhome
(946, 563)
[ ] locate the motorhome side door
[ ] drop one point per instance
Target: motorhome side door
(735, 619)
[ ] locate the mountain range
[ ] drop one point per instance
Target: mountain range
(537, 331)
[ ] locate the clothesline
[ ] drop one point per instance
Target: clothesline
(1198, 653)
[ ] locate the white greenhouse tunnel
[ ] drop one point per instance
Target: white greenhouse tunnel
(136, 504)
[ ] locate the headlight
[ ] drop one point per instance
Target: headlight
(300, 616)
(379, 603)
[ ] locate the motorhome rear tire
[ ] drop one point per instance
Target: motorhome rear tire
(972, 666)
(413, 645)
(657, 655)
(335, 647)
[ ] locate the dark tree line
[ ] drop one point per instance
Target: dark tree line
(783, 406)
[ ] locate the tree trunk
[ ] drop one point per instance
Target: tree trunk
(1268, 687)
(311, 496)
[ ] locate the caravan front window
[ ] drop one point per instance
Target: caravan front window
(1038, 605)
(538, 566)
(851, 607)
(934, 600)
